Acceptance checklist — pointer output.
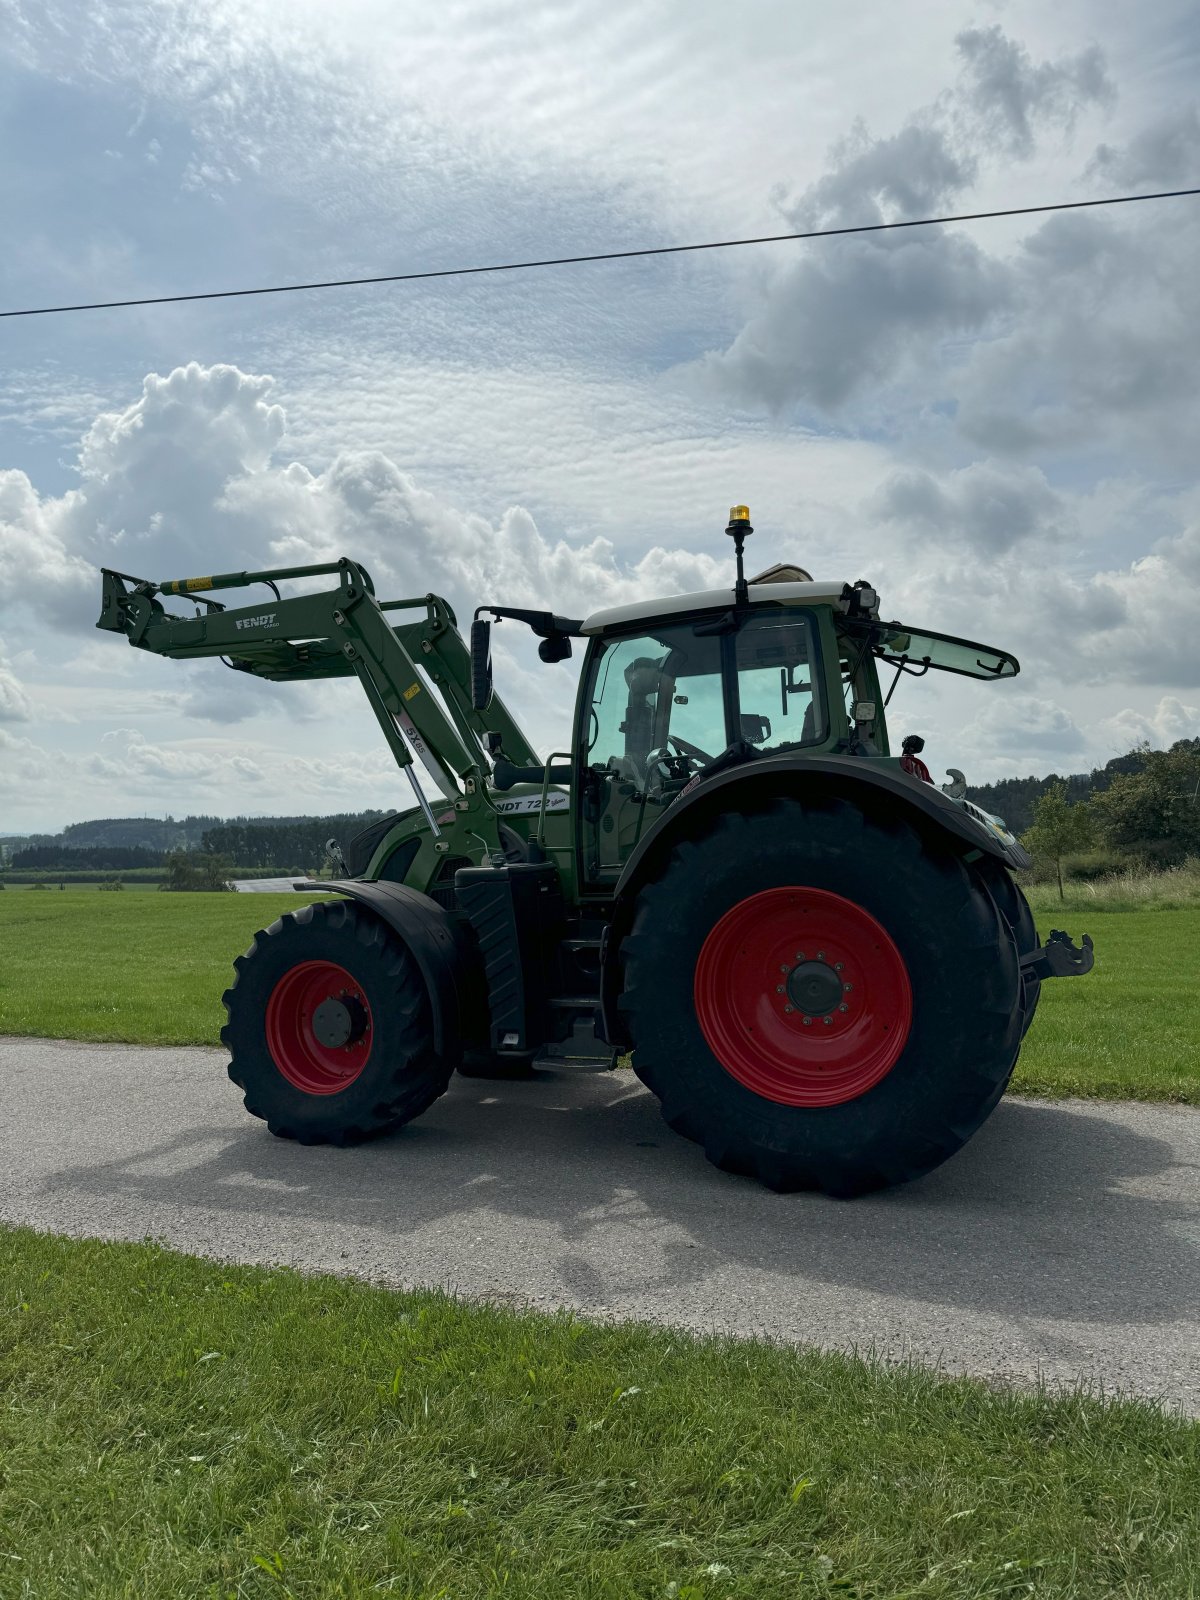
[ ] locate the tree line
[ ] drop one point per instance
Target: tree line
(1015, 799)
(1147, 814)
(293, 845)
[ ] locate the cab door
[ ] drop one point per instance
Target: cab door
(653, 713)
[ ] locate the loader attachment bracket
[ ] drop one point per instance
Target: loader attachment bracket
(1059, 957)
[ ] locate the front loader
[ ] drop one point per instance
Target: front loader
(821, 964)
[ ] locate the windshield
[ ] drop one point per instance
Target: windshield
(658, 708)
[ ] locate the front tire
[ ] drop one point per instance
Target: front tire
(811, 911)
(329, 1028)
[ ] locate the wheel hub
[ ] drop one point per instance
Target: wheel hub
(814, 988)
(339, 1022)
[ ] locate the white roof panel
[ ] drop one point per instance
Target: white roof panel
(796, 594)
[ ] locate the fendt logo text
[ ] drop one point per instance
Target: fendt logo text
(265, 621)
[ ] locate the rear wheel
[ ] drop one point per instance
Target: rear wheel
(1015, 910)
(822, 999)
(330, 1030)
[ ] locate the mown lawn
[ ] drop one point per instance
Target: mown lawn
(132, 968)
(1130, 1029)
(179, 1428)
(150, 969)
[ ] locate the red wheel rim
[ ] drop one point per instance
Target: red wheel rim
(774, 968)
(302, 1057)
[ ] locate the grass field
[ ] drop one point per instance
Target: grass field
(177, 1428)
(150, 970)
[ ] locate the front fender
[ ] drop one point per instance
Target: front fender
(440, 948)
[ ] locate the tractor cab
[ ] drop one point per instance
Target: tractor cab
(675, 692)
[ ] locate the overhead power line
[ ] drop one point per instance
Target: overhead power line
(600, 255)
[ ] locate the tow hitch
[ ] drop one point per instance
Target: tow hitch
(1059, 958)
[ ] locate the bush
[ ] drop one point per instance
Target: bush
(194, 870)
(110, 885)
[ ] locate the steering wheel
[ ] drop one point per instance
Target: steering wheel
(693, 751)
(675, 761)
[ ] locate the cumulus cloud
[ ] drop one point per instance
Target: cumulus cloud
(186, 479)
(189, 478)
(14, 702)
(1170, 720)
(1005, 94)
(858, 311)
(984, 505)
(1023, 725)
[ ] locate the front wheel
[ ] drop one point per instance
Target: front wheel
(330, 1030)
(822, 998)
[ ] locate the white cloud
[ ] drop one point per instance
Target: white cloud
(1170, 720)
(986, 505)
(1025, 727)
(14, 702)
(859, 311)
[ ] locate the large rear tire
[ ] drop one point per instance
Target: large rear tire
(330, 1029)
(1015, 909)
(768, 924)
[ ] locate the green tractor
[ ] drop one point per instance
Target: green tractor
(819, 962)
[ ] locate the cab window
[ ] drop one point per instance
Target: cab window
(776, 663)
(655, 696)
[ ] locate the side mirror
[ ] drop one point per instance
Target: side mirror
(481, 664)
(556, 648)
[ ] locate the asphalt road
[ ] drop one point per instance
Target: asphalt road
(1064, 1241)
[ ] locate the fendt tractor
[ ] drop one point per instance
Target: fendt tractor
(818, 960)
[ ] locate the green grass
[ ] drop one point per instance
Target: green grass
(149, 969)
(1133, 890)
(136, 968)
(1130, 1030)
(177, 1428)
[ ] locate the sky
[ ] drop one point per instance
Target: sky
(995, 423)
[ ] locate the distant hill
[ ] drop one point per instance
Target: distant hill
(131, 833)
(292, 844)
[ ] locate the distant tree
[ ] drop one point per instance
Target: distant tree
(1154, 813)
(1059, 829)
(112, 885)
(193, 870)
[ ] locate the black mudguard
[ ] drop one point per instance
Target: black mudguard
(442, 950)
(753, 783)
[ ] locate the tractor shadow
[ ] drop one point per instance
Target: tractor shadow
(570, 1187)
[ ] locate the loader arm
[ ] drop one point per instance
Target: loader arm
(336, 633)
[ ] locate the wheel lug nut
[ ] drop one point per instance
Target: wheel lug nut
(843, 1006)
(783, 968)
(789, 1009)
(799, 955)
(838, 965)
(827, 1021)
(847, 987)
(778, 988)
(808, 1022)
(820, 955)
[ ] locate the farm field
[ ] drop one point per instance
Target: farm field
(150, 969)
(175, 1427)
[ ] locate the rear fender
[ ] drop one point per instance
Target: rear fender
(441, 949)
(753, 784)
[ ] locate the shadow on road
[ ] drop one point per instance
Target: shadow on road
(1049, 1212)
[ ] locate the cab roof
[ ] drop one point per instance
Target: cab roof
(787, 594)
